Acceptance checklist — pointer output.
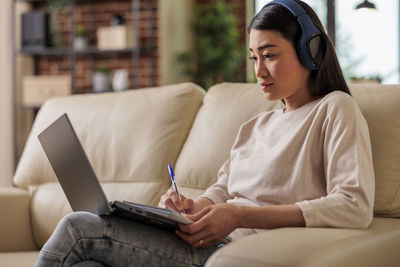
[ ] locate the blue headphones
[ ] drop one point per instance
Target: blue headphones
(309, 44)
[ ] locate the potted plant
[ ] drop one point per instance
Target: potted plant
(366, 79)
(55, 9)
(101, 79)
(80, 40)
(217, 55)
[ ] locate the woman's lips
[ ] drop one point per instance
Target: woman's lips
(266, 86)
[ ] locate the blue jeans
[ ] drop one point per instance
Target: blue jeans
(85, 239)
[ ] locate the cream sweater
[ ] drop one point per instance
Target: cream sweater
(317, 157)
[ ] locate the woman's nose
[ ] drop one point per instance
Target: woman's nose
(261, 69)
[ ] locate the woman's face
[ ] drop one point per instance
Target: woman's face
(278, 70)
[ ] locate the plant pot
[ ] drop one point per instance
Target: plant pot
(80, 43)
(121, 80)
(101, 82)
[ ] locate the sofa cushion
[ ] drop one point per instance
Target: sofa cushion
(128, 136)
(48, 198)
(311, 247)
(226, 106)
(16, 229)
(380, 105)
(19, 259)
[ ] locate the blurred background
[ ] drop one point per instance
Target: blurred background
(51, 48)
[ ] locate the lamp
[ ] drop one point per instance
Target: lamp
(366, 4)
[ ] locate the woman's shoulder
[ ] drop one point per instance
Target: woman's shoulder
(258, 120)
(262, 116)
(338, 101)
(337, 97)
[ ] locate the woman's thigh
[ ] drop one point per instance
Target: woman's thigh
(116, 241)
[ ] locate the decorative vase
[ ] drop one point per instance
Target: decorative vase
(101, 82)
(121, 80)
(80, 43)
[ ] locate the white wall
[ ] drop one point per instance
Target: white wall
(175, 37)
(6, 137)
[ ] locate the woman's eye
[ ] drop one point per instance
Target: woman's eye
(268, 56)
(253, 58)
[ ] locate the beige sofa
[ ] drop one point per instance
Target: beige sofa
(131, 136)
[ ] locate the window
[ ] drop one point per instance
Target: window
(367, 41)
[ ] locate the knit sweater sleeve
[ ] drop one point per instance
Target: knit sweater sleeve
(348, 169)
(218, 192)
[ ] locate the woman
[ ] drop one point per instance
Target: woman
(308, 164)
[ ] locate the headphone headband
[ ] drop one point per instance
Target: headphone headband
(309, 43)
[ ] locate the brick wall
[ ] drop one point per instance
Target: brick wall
(98, 13)
(94, 14)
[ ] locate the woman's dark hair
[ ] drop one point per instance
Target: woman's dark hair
(329, 77)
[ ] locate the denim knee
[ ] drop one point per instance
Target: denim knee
(73, 227)
(87, 224)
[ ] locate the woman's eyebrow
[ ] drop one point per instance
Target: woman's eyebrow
(263, 47)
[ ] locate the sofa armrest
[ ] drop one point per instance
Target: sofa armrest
(15, 222)
(376, 246)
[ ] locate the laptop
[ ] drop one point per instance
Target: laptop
(81, 185)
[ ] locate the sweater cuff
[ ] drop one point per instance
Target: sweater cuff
(215, 198)
(308, 213)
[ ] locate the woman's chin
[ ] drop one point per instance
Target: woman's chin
(271, 97)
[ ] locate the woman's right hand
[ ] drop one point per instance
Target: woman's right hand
(170, 200)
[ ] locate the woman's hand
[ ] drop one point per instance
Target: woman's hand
(170, 200)
(210, 225)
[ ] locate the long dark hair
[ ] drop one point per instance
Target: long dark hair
(329, 77)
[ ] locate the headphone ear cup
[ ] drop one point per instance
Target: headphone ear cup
(315, 51)
(309, 51)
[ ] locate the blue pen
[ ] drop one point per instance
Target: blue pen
(172, 175)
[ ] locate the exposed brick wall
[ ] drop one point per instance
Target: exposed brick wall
(94, 14)
(100, 13)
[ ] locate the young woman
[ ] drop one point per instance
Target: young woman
(308, 164)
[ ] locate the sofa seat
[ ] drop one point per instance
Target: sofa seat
(314, 247)
(307, 247)
(18, 259)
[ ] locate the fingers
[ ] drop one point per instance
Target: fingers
(188, 205)
(198, 224)
(197, 240)
(171, 200)
(197, 216)
(211, 225)
(166, 203)
(175, 199)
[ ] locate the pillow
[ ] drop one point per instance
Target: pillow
(128, 136)
(380, 105)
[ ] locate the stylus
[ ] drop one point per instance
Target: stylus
(172, 175)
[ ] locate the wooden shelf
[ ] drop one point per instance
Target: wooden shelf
(92, 50)
(66, 58)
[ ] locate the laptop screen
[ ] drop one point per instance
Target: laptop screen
(72, 168)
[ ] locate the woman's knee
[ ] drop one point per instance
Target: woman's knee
(73, 227)
(86, 224)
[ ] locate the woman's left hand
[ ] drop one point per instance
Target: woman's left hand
(210, 225)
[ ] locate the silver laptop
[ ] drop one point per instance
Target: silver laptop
(81, 186)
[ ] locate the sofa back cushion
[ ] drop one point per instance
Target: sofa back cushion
(226, 107)
(129, 138)
(380, 105)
